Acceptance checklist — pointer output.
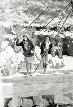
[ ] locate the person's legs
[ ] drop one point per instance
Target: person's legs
(28, 64)
(60, 53)
(33, 68)
(53, 51)
(28, 67)
(44, 63)
(47, 62)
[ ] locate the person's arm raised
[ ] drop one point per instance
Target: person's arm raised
(18, 43)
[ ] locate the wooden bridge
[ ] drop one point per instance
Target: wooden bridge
(59, 85)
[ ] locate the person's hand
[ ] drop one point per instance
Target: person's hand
(16, 38)
(20, 38)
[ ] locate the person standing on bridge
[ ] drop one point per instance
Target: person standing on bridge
(28, 52)
(57, 47)
(44, 52)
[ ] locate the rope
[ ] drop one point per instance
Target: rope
(58, 33)
(30, 24)
(41, 13)
(64, 22)
(41, 29)
(45, 26)
(8, 45)
(10, 58)
(56, 16)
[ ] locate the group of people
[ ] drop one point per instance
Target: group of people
(54, 46)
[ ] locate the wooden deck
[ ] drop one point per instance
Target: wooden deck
(59, 85)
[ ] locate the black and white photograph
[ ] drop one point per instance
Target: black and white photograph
(36, 53)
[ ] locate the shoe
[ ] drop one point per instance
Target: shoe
(27, 73)
(30, 73)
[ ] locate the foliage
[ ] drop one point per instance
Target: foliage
(16, 15)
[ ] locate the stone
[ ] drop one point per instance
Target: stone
(27, 102)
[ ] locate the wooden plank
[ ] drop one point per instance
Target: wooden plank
(7, 90)
(26, 86)
(44, 79)
(41, 78)
(43, 89)
(58, 90)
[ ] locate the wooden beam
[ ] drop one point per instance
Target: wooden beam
(40, 79)
(25, 86)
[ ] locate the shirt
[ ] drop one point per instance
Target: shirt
(28, 47)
